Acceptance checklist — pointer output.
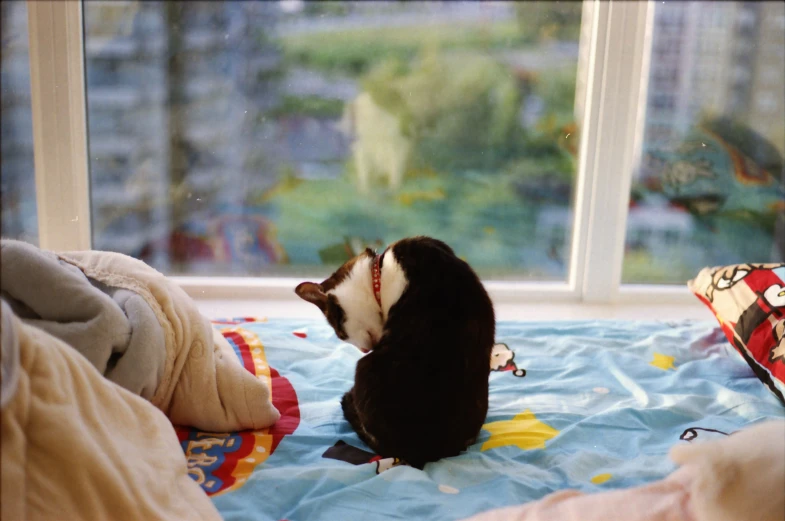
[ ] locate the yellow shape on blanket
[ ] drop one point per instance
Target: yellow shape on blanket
(664, 362)
(599, 479)
(209, 447)
(524, 431)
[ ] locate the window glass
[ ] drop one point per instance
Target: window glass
(278, 138)
(710, 186)
(17, 175)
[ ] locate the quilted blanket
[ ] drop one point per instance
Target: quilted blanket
(591, 406)
(137, 328)
(76, 446)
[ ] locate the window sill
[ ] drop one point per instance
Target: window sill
(504, 311)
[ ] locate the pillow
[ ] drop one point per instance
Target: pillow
(749, 302)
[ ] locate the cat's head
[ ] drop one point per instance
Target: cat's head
(347, 300)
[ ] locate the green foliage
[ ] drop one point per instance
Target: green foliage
(271, 75)
(478, 215)
(459, 105)
(641, 267)
(557, 89)
(326, 7)
(356, 51)
(557, 165)
(313, 106)
(460, 109)
(379, 84)
(549, 20)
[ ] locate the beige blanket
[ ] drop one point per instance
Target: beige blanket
(140, 330)
(76, 446)
(204, 385)
(101, 354)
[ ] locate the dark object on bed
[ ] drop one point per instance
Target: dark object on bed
(342, 451)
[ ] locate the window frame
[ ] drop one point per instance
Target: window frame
(58, 105)
(612, 79)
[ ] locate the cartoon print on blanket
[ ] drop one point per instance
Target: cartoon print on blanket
(661, 361)
(524, 431)
(221, 462)
(778, 351)
(502, 360)
(704, 434)
(764, 317)
(726, 277)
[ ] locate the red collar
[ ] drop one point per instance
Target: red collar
(376, 278)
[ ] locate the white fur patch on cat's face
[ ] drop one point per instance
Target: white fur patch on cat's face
(364, 323)
(394, 282)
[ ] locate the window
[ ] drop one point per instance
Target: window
(220, 133)
(663, 101)
(766, 102)
(277, 138)
(715, 190)
(19, 219)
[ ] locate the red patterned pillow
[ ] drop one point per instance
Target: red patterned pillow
(749, 302)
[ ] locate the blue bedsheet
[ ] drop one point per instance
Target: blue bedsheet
(600, 405)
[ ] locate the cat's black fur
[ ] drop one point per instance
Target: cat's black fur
(422, 392)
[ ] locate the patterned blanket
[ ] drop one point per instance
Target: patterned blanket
(593, 405)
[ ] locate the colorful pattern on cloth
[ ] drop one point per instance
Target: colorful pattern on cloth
(709, 173)
(749, 303)
(593, 412)
(221, 462)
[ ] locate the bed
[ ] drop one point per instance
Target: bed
(591, 406)
(106, 353)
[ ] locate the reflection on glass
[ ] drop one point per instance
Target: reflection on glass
(17, 175)
(710, 189)
(281, 137)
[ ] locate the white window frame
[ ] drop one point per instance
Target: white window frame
(57, 97)
(612, 81)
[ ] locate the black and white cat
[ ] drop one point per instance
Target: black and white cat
(428, 325)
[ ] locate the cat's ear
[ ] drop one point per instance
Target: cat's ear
(312, 292)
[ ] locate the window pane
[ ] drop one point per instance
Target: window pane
(19, 219)
(710, 188)
(277, 138)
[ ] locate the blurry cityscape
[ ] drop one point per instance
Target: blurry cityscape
(710, 189)
(269, 138)
(17, 185)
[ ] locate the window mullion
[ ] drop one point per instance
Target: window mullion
(610, 143)
(57, 88)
